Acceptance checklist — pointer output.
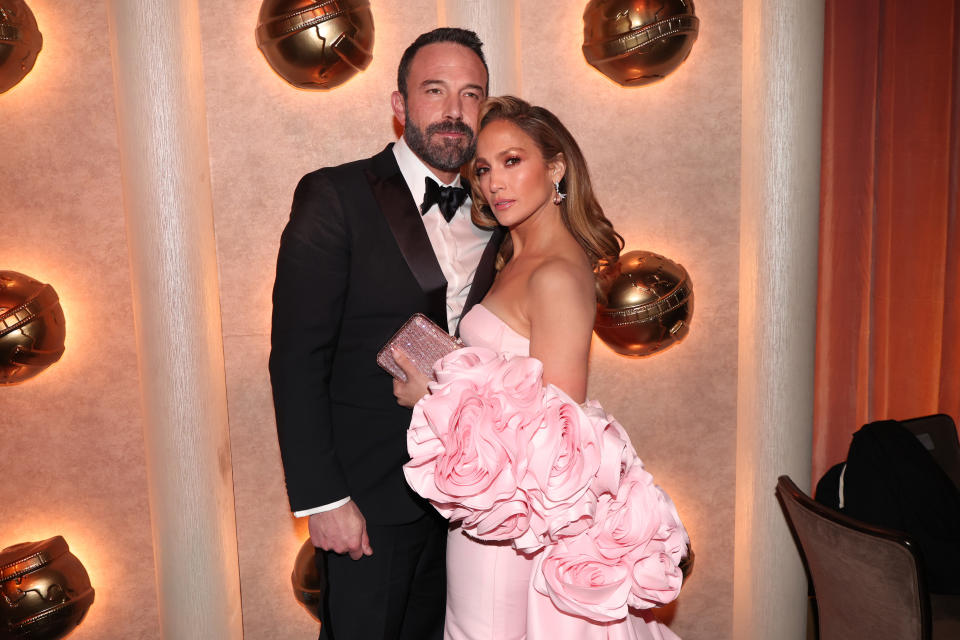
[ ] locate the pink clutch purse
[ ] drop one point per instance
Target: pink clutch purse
(423, 342)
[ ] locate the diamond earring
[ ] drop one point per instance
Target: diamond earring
(557, 196)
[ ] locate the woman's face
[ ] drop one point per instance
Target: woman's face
(514, 178)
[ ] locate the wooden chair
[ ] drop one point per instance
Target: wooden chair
(868, 582)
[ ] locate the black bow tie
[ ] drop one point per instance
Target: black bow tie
(448, 198)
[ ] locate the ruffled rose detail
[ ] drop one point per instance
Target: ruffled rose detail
(581, 581)
(510, 459)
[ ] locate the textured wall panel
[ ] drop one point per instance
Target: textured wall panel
(780, 208)
(71, 439)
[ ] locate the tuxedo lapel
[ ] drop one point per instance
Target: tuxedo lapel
(486, 271)
(397, 205)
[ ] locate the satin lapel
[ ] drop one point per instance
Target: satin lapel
(397, 205)
(486, 271)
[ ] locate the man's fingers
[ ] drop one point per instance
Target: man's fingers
(365, 544)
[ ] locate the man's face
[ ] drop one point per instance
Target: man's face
(445, 87)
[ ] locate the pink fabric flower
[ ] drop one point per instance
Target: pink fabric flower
(617, 454)
(630, 519)
(462, 445)
(581, 581)
(640, 526)
(563, 458)
(457, 460)
(470, 365)
(656, 577)
(510, 459)
(521, 381)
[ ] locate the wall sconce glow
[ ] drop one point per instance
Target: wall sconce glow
(32, 327)
(20, 42)
(649, 304)
(316, 45)
(46, 591)
(637, 42)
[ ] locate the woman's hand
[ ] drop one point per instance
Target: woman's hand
(409, 392)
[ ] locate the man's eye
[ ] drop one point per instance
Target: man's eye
(472, 95)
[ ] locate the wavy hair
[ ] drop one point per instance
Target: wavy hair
(580, 211)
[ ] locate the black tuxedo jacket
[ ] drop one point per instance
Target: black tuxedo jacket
(354, 264)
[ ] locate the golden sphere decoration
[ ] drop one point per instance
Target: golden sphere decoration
(649, 304)
(20, 42)
(636, 42)
(44, 590)
(309, 578)
(316, 44)
(32, 327)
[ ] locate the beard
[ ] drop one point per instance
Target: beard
(446, 155)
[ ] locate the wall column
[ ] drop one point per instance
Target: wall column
(158, 81)
(495, 22)
(779, 222)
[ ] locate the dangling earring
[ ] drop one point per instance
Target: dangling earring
(557, 196)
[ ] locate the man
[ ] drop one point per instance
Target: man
(356, 260)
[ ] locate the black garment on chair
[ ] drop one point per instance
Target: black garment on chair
(892, 481)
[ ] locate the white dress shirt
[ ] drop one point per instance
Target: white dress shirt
(458, 245)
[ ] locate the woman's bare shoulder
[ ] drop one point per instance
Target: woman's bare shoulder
(560, 282)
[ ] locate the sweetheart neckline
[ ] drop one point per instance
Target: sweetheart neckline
(501, 321)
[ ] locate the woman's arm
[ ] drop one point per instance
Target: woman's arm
(561, 307)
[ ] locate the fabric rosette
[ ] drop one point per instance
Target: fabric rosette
(463, 441)
(640, 525)
(581, 581)
(629, 557)
(563, 458)
(512, 459)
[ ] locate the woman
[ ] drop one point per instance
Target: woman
(562, 534)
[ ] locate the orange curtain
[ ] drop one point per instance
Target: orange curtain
(888, 317)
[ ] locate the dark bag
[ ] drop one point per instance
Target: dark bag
(892, 481)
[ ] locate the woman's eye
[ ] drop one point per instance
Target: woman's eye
(480, 171)
(512, 160)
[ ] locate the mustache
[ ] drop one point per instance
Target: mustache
(449, 126)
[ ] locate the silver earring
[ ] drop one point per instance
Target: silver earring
(557, 196)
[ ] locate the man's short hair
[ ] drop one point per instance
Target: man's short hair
(463, 37)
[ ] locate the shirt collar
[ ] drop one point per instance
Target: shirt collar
(414, 172)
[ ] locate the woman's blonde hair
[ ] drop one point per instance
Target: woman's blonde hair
(580, 211)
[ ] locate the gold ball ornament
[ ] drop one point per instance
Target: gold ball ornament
(309, 578)
(32, 327)
(636, 42)
(46, 591)
(20, 42)
(649, 304)
(316, 45)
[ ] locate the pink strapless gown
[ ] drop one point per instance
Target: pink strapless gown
(489, 588)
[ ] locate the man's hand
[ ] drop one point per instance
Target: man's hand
(341, 530)
(409, 392)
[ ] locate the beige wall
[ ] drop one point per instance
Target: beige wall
(665, 161)
(71, 440)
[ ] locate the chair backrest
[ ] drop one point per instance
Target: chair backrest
(867, 581)
(938, 434)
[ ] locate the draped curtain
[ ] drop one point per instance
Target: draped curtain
(888, 316)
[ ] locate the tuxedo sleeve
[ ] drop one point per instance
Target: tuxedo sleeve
(308, 300)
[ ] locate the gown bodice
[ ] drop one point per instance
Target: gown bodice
(481, 327)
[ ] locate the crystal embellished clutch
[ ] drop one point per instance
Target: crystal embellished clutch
(423, 342)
